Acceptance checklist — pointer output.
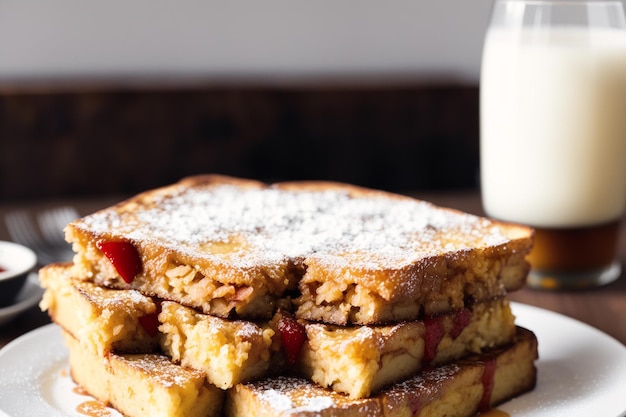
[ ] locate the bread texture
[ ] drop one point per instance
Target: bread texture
(459, 389)
(150, 384)
(359, 361)
(102, 319)
(355, 360)
(227, 351)
(342, 254)
(140, 385)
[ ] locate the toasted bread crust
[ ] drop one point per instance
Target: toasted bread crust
(102, 319)
(453, 390)
(436, 285)
(361, 360)
(140, 385)
(355, 360)
(239, 248)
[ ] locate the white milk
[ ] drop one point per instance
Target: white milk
(553, 126)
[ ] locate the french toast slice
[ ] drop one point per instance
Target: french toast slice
(460, 389)
(359, 361)
(126, 321)
(355, 360)
(140, 385)
(102, 319)
(227, 351)
(240, 248)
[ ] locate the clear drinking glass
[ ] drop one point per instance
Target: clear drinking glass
(553, 133)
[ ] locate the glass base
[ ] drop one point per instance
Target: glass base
(573, 280)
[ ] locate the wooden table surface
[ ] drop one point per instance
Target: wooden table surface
(603, 308)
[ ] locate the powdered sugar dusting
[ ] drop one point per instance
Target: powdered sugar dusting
(291, 396)
(277, 400)
(294, 395)
(161, 370)
(129, 301)
(272, 224)
(315, 404)
(426, 384)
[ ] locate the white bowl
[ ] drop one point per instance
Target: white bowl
(16, 262)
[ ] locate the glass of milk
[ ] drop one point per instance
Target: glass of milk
(553, 133)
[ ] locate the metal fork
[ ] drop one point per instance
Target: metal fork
(47, 240)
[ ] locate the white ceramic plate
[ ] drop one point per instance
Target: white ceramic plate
(582, 372)
(29, 296)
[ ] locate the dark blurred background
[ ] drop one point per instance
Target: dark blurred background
(61, 144)
(386, 97)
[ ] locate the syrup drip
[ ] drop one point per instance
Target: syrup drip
(94, 409)
(488, 381)
(462, 319)
(415, 405)
(80, 391)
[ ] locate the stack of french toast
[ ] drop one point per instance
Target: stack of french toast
(220, 296)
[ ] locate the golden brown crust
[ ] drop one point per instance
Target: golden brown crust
(239, 248)
(355, 360)
(360, 360)
(454, 390)
(389, 280)
(102, 319)
(436, 285)
(140, 385)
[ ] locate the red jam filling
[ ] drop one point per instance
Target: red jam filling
(150, 323)
(124, 257)
(461, 320)
(2, 269)
(415, 405)
(292, 337)
(433, 335)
